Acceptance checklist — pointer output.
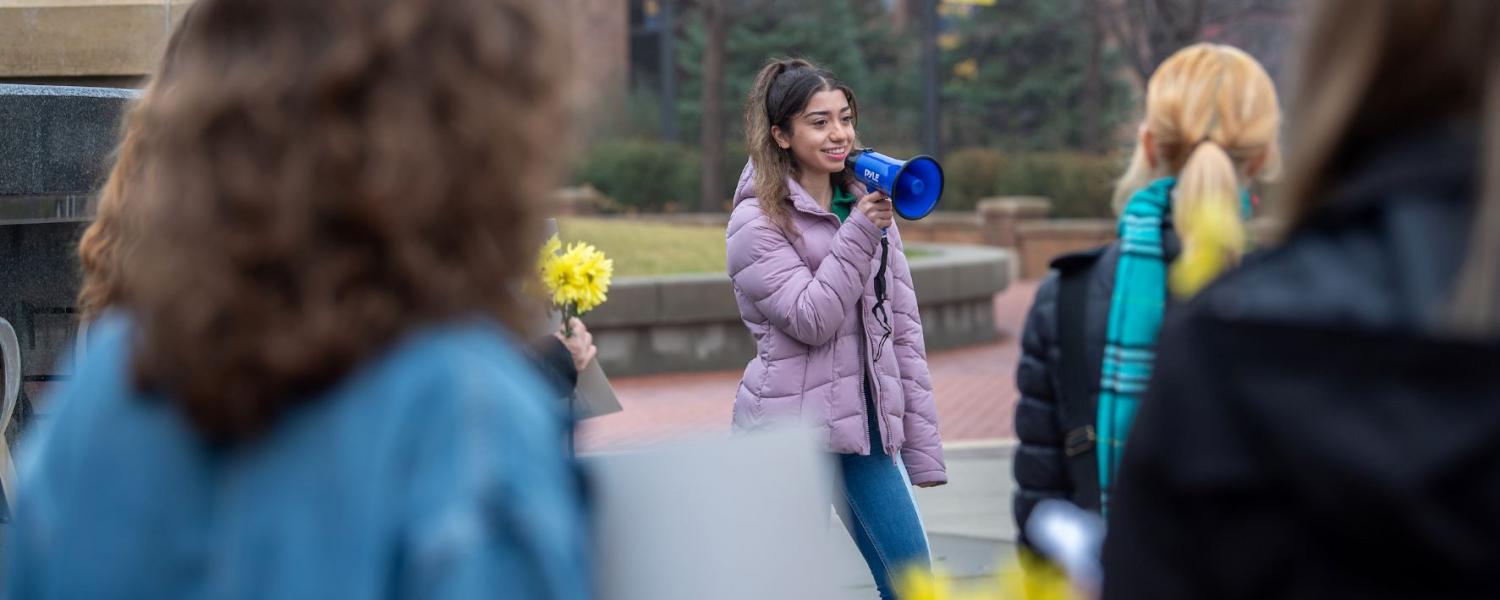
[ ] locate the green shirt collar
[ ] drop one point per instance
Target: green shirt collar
(843, 203)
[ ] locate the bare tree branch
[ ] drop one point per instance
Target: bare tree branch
(1121, 20)
(1148, 31)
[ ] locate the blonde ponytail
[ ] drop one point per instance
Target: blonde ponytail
(1207, 215)
(1211, 118)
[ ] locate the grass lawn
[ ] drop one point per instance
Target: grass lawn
(655, 249)
(649, 248)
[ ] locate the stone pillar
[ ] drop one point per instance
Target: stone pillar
(999, 218)
(1041, 241)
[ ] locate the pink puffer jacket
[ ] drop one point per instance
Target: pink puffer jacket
(807, 302)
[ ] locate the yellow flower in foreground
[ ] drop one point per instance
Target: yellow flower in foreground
(917, 583)
(1011, 583)
(1213, 240)
(1037, 579)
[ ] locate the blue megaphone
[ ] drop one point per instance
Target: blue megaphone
(914, 185)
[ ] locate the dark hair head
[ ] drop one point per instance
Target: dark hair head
(1371, 71)
(794, 87)
(318, 178)
(781, 92)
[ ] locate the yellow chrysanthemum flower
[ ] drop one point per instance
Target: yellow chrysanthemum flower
(577, 280)
(549, 251)
(557, 275)
(592, 277)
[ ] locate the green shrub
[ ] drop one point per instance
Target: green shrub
(643, 175)
(652, 176)
(1079, 185)
(969, 174)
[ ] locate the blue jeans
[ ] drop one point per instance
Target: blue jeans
(880, 514)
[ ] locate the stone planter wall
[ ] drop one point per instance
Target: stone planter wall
(1021, 224)
(691, 323)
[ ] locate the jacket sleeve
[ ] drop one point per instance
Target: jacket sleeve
(555, 362)
(1039, 464)
(805, 304)
(923, 453)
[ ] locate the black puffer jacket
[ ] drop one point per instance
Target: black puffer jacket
(1059, 384)
(1311, 431)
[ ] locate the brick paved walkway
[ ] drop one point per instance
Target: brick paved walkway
(976, 392)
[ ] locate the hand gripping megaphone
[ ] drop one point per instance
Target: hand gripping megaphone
(914, 185)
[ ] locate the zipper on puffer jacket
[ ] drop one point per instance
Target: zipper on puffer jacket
(864, 386)
(869, 375)
(869, 366)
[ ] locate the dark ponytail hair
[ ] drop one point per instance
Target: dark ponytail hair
(781, 92)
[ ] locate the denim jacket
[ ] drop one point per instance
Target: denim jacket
(434, 470)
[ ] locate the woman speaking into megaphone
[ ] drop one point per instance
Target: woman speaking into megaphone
(804, 246)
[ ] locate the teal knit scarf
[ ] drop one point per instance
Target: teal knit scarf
(1135, 312)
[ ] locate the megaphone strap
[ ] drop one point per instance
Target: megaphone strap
(881, 316)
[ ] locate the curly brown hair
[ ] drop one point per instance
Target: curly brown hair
(104, 242)
(320, 178)
(99, 248)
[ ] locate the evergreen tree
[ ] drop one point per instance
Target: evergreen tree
(1015, 77)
